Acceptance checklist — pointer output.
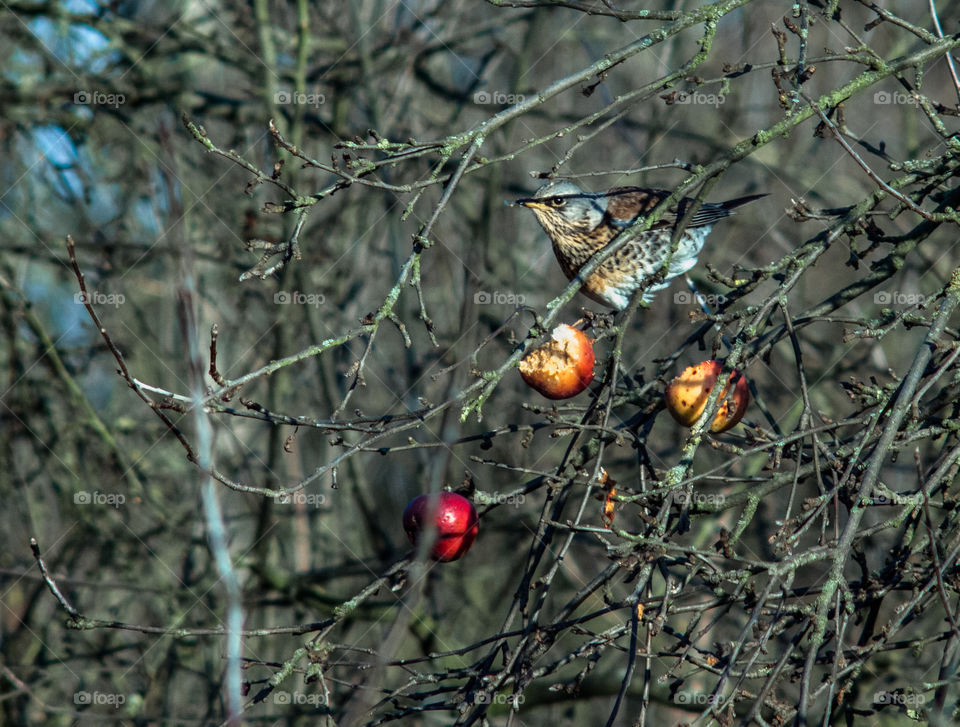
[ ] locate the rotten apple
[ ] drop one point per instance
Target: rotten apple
(686, 396)
(562, 367)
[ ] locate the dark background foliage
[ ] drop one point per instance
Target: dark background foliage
(324, 183)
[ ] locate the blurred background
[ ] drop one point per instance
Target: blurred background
(271, 169)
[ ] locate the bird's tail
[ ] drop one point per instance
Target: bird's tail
(739, 201)
(710, 212)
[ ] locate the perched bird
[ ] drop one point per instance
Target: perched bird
(581, 223)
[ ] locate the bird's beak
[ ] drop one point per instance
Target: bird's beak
(530, 203)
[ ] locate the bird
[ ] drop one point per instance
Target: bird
(580, 223)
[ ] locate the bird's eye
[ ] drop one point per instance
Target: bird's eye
(557, 201)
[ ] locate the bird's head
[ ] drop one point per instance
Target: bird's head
(563, 208)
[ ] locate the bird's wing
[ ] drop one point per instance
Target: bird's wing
(626, 204)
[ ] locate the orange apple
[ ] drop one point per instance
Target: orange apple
(686, 396)
(562, 367)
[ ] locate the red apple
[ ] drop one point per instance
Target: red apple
(455, 523)
(686, 396)
(562, 367)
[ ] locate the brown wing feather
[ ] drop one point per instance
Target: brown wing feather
(625, 204)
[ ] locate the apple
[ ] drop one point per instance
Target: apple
(455, 523)
(686, 396)
(562, 367)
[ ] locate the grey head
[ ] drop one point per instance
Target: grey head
(562, 207)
